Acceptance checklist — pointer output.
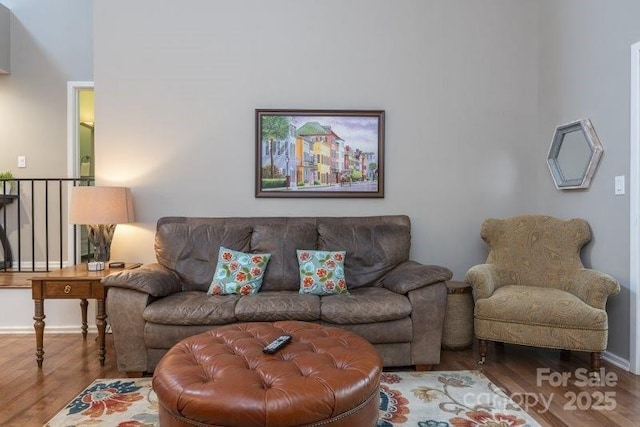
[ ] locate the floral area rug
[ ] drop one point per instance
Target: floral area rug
(417, 399)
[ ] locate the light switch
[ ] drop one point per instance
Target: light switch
(22, 161)
(619, 187)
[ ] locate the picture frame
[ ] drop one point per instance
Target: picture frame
(319, 153)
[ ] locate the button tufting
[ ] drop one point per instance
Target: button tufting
(326, 376)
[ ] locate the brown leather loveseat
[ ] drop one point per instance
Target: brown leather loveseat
(395, 303)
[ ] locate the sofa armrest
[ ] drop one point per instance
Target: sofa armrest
(593, 287)
(429, 305)
(125, 308)
(152, 279)
(483, 278)
(411, 275)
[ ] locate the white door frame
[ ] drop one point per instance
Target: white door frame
(73, 145)
(634, 213)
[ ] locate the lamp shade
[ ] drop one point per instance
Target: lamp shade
(100, 205)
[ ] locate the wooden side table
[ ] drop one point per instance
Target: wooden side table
(457, 333)
(74, 282)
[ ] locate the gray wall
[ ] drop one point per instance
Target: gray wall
(51, 43)
(5, 40)
(175, 102)
(472, 92)
(585, 72)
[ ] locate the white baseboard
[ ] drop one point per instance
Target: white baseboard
(74, 329)
(39, 265)
(617, 361)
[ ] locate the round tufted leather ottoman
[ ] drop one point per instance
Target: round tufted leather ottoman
(323, 377)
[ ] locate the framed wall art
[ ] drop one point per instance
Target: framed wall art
(319, 153)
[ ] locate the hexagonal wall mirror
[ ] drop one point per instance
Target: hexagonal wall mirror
(574, 155)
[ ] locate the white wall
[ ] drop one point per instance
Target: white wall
(585, 72)
(51, 43)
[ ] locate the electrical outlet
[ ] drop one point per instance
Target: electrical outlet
(22, 161)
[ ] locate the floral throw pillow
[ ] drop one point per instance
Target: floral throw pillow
(238, 273)
(322, 272)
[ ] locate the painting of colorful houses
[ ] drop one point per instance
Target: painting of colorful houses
(319, 153)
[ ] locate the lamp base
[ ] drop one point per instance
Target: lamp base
(100, 237)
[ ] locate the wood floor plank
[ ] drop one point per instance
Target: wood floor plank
(30, 396)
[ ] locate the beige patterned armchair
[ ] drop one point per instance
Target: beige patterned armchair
(533, 289)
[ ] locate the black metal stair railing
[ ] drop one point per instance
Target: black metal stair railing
(34, 230)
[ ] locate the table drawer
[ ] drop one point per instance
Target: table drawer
(67, 289)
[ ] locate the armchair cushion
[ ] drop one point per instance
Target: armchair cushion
(533, 305)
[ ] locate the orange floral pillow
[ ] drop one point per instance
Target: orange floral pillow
(238, 272)
(322, 272)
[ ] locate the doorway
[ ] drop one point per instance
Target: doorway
(80, 153)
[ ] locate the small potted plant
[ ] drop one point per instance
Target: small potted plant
(6, 182)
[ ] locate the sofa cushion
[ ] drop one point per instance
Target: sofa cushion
(281, 239)
(238, 272)
(322, 272)
(192, 308)
(364, 305)
(192, 249)
(393, 331)
(374, 247)
(270, 306)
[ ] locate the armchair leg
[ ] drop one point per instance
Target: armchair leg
(596, 359)
(483, 346)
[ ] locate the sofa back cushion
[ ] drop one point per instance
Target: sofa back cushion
(281, 239)
(374, 245)
(190, 246)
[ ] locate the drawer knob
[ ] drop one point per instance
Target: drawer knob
(67, 289)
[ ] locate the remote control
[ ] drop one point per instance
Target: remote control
(275, 345)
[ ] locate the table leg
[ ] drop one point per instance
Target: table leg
(39, 327)
(101, 323)
(83, 307)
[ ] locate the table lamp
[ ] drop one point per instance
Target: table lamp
(100, 209)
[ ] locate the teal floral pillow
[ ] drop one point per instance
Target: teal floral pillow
(322, 272)
(238, 273)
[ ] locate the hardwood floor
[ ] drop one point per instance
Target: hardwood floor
(30, 396)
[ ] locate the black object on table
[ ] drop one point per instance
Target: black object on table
(5, 199)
